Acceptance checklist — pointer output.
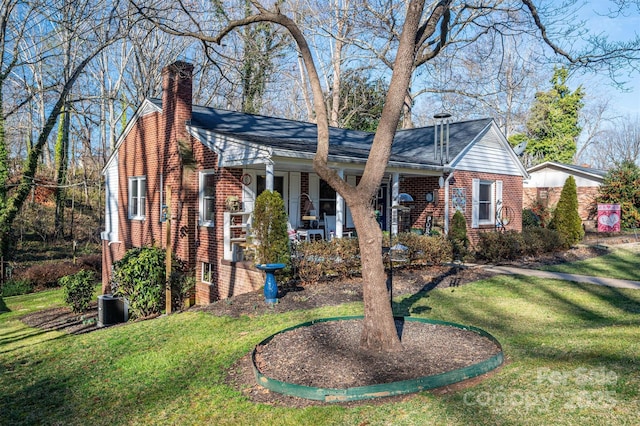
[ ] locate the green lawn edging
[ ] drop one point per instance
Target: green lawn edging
(383, 389)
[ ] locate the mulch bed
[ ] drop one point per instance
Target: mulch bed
(428, 349)
(327, 354)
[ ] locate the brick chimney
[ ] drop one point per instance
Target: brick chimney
(177, 96)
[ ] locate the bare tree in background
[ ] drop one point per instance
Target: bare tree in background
(495, 77)
(30, 25)
(417, 33)
(618, 143)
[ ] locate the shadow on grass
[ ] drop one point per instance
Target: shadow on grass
(29, 404)
(405, 307)
(3, 306)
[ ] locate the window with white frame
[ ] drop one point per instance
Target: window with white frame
(486, 195)
(207, 273)
(137, 197)
(207, 198)
(278, 184)
(485, 202)
(327, 199)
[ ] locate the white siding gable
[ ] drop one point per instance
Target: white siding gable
(491, 153)
(550, 178)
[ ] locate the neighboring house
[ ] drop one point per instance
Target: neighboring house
(204, 157)
(547, 179)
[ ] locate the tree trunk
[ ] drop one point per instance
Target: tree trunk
(379, 330)
(61, 162)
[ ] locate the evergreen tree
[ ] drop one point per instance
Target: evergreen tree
(362, 101)
(552, 128)
(458, 235)
(622, 186)
(566, 219)
(270, 228)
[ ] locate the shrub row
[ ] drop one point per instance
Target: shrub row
(47, 275)
(511, 245)
(340, 257)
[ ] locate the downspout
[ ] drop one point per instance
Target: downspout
(446, 203)
(340, 217)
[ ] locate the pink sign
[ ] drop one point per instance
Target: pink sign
(608, 217)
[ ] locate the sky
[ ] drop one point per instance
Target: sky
(623, 27)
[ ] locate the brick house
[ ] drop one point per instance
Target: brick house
(547, 179)
(195, 159)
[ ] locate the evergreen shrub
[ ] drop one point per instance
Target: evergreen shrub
(139, 277)
(458, 235)
(566, 219)
(269, 225)
(79, 289)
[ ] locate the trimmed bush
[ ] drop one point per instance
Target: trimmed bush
(340, 257)
(317, 260)
(458, 235)
(140, 278)
(499, 246)
(425, 250)
(566, 219)
(541, 240)
(79, 289)
(269, 226)
(511, 245)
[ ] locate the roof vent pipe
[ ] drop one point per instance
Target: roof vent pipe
(441, 118)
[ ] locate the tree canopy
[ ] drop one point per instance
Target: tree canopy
(553, 125)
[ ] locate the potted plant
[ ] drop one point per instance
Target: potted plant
(269, 225)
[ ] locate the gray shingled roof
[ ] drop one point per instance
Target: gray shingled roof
(573, 167)
(410, 145)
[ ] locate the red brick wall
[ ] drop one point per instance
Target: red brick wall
(511, 199)
(420, 209)
(159, 148)
(587, 206)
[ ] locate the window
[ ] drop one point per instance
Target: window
(485, 202)
(137, 197)
(486, 195)
(327, 199)
(207, 273)
(207, 198)
(278, 185)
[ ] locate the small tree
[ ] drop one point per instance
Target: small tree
(622, 186)
(566, 219)
(458, 235)
(270, 228)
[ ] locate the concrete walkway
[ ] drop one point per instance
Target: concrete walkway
(609, 282)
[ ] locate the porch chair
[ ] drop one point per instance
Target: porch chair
(329, 226)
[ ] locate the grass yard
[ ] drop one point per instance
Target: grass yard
(572, 358)
(622, 263)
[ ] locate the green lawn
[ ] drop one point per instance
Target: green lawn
(572, 355)
(622, 263)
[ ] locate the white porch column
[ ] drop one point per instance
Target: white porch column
(339, 209)
(395, 191)
(269, 176)
(446, 204)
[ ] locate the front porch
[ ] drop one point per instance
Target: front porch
(317, 211)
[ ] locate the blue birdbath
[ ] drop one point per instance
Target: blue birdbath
(270, 284)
